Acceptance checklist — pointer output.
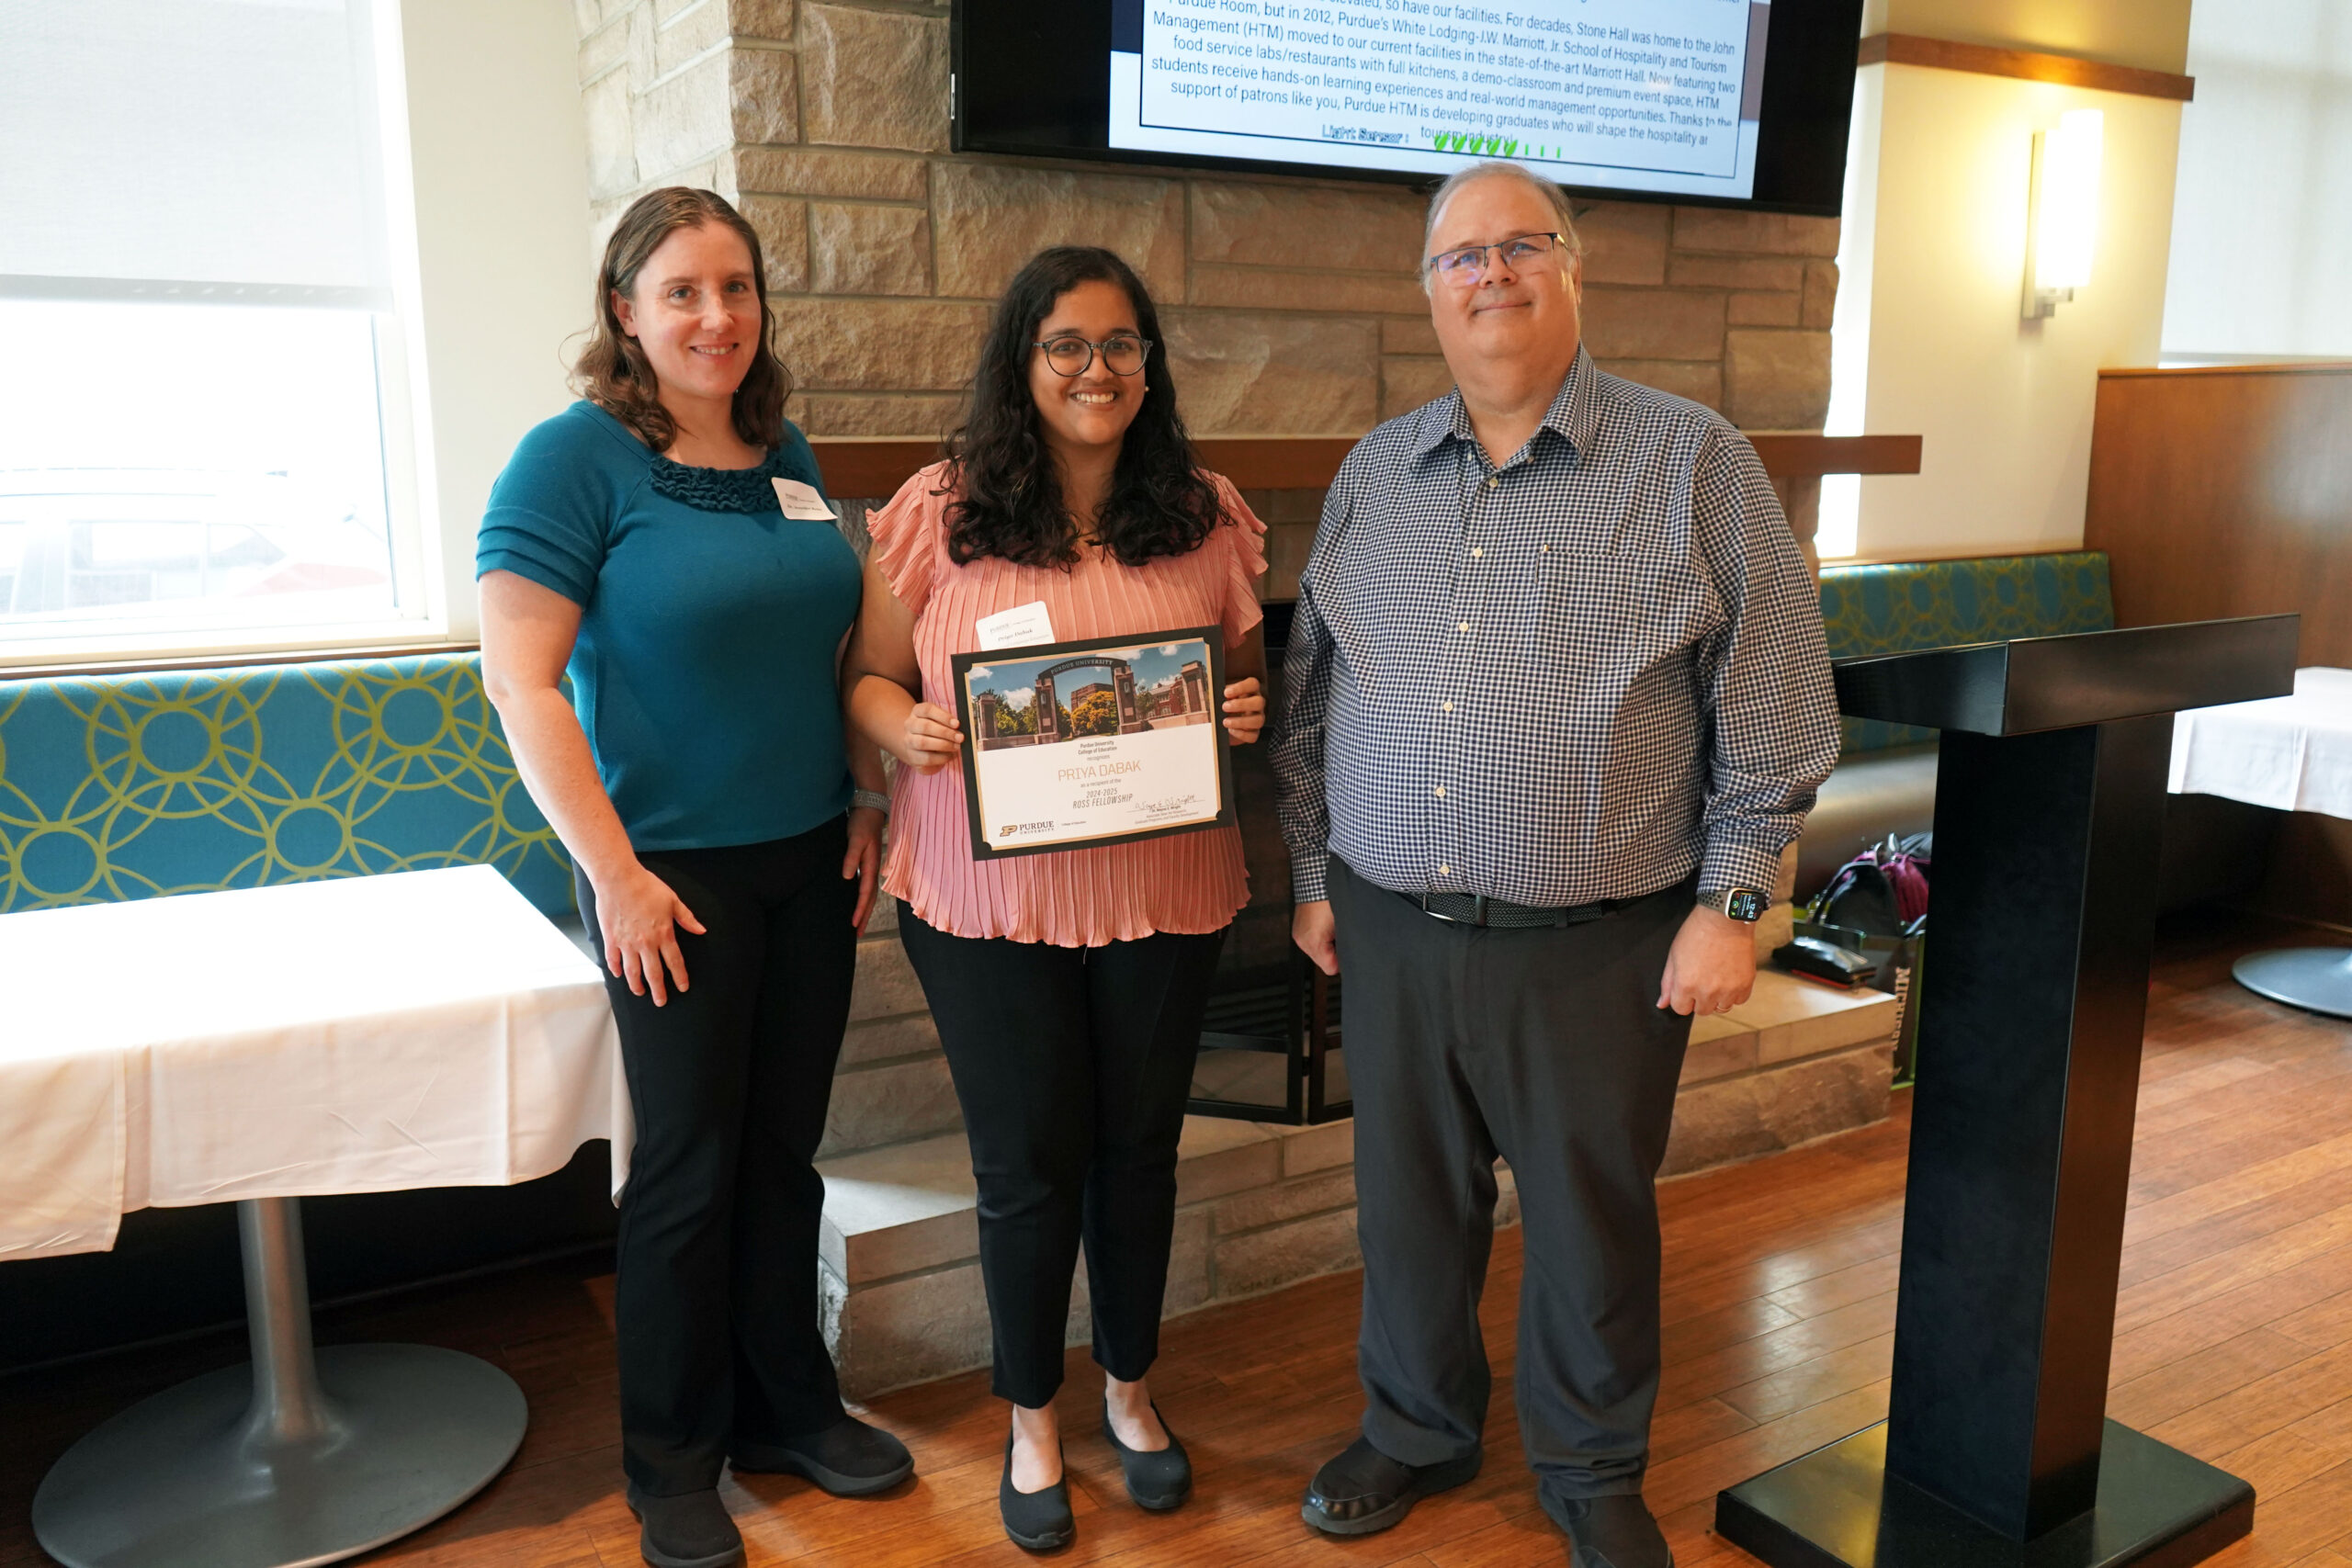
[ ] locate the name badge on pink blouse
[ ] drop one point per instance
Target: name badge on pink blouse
(1020, 626)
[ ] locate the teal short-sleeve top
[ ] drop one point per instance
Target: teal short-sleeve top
(704, 673)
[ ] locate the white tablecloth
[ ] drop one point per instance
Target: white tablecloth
(429, 1028)
(2292, 753)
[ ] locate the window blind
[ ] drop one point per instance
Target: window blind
(191, 150)
(2262, 214)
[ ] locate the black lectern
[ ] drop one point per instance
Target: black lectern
(2048, 819)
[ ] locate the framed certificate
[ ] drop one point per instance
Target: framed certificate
(1072, 744)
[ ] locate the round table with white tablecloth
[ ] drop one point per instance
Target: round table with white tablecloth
(429, 1028)
(2292, 753)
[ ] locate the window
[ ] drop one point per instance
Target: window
(2262, 213)
(202, 434)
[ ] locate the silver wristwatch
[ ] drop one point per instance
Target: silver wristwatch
(1740, 903)
(869, 799)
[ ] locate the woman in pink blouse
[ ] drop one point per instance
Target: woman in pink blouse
(1068, 987)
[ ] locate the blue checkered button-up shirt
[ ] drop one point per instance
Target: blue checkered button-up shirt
(1575, 677)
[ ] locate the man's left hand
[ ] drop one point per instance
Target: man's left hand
(1712, 966)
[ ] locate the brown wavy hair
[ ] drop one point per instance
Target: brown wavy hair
(612, 370)
(1008, 493)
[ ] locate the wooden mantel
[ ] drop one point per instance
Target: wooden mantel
(870, 467)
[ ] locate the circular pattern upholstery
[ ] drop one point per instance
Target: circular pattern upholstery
(133, 786)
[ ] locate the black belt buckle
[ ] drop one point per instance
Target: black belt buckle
(1477, 909)
(1482, 911)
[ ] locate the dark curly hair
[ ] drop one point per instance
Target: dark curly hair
(1008, 493)
(612, 370)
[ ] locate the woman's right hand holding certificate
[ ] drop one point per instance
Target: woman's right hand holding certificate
(932, 739)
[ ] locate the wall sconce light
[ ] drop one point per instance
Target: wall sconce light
(2062, 224)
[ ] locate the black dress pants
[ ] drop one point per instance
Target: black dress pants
(716, 1296)
(1073, 1066)
(1546, 1047)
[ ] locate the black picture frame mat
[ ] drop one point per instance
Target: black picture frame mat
(960, 664)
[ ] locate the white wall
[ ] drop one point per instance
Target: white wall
(1839, 515)
(2004, 405)
(499, 159)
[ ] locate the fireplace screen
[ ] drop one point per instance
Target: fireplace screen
(1270, 1045)
(1270, 1052)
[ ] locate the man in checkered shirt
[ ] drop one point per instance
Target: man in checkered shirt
(1557, 667)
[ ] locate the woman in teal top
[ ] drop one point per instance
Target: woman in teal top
(703, 610)
(723, 833)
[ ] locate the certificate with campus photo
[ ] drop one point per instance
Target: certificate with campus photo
(1072, 744)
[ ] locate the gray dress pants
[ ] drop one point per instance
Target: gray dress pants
(1546, 1047)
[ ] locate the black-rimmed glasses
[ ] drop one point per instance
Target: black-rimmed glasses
(1465, 265)
(1070, 355)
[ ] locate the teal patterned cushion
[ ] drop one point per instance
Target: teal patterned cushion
(1940, 604)
(133, 786)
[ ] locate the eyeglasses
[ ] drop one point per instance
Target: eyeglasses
(1466, 266)
(1070, 355)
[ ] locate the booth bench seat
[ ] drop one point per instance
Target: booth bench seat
(134, 786)
(1886, 779)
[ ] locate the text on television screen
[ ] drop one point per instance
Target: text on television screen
(1657, 95)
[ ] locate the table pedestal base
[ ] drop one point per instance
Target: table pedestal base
(1837, 1507)
(298, 1459)
(175, 1480)
(2317, 978)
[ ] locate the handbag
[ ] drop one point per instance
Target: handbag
(1876, 904)
(1882, 892)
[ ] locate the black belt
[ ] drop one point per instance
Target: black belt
(1477, 909)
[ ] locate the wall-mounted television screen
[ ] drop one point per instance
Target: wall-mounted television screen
(1729, 102)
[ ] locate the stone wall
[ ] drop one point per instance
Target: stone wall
(1290, 306)
(1256, 1208)
(892, 1084)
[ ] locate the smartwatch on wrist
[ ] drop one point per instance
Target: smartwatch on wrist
(1742, 904)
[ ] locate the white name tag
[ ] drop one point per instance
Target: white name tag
(1024, 625)
(802, 504)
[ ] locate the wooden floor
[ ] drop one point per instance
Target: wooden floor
(2234, 1342)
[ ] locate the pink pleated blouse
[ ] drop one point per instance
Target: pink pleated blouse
(1186, 882)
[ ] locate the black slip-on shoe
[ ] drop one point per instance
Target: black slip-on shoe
(1616, 1531)
(1157, 1479)
(690, 1530)
(848, 1459)
(1363, 1490)
(1035, 1521)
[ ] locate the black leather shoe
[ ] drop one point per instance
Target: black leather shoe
(848, 1459)
(1615, 1531)
(1363, 1490)
(690, 1530)
(1157, 1479)
(1037, 1522)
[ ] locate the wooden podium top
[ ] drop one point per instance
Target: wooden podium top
(2058, 683)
